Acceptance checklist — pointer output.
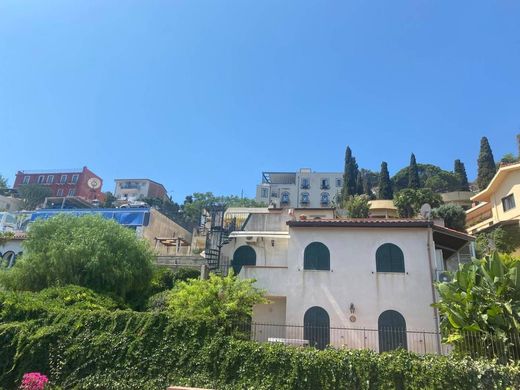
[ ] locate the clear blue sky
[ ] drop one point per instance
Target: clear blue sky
(204, 95)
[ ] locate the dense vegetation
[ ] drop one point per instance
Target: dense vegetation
(88, 349)
(484, 298)
(87, 251)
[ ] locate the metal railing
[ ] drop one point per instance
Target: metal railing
(473, 344)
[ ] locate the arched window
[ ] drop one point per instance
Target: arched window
(391, 327)
(324, 199)
(316, 257)
(284, 199)
(244, 255)
(316, 327)
(389, 258)
(305, 198)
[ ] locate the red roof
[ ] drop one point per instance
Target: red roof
(360, 222)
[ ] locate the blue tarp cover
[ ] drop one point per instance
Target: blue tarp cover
(126, 217)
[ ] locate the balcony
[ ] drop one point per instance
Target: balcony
(271, 278)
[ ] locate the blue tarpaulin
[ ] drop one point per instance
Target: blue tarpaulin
(126, 217)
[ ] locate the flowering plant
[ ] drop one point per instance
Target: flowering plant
(33, 381)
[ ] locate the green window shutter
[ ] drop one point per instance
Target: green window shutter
(316, 257)
(389, 258)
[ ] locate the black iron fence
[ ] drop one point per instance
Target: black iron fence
(474, 344)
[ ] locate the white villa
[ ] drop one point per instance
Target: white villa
(324, 274)
(303, 188)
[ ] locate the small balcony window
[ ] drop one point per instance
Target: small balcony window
(284, 200)
(306, 183)
(508, 202)
(305, 200)
(325, 198)
(325, 184)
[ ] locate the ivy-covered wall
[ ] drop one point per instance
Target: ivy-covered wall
(129, 350)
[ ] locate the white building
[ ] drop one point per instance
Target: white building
(299, 189)
(137, 189)
(346, 281)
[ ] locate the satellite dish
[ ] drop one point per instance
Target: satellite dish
(94, 183)
(426, 211)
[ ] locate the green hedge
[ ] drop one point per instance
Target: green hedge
(130, 350)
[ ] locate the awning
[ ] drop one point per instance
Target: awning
(237, 234)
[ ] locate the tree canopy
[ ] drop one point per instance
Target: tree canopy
(430, 176)
(3, 182)
(486, 164)
(357, 206)
(87, 251)
(413, 174)
(453, 215)
(385, 185)
(33, 195)
(350, 176)
(460, 171)
(409, 201)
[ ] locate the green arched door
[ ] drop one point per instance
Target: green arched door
(316, 327)
(244, 255)
(392, 331)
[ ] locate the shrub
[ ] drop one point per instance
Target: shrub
(222, 300)
(87, 251)
(357, 206)
(24, 305)
(34, 381)
(484, 298)
(129, 350)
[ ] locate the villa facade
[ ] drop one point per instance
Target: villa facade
(329, 274)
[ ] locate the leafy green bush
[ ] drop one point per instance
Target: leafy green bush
(24, 305)
(130, 350)
(222, 300)
(87, 251)
(453, 215)
(483, 297)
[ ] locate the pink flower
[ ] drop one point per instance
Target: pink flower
(33, 381)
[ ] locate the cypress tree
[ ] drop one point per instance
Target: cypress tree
(413, 174)
(486, 164)
(385, 185)
(460, 172)
(349, 176)
(359, 184)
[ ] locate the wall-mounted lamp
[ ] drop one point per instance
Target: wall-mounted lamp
(272, 242)
(352, 308)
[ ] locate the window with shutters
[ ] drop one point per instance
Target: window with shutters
(389, 258)
(244, 255)
(316, 257)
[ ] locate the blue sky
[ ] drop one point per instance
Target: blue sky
(205, 95)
